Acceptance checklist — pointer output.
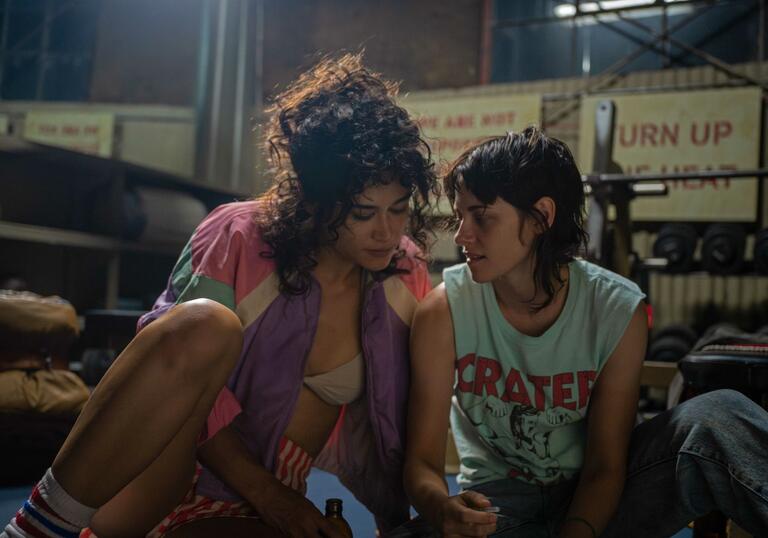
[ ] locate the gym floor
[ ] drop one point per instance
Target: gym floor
(321, 486)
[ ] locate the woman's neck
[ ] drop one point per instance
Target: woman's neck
(518, 293)
(334, 271)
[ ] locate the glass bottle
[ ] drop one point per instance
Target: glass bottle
(333, 508)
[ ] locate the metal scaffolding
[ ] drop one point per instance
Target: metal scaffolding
(664, 42)
(51, 11)
(659, 42)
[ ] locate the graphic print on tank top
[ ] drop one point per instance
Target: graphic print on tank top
(511, 425)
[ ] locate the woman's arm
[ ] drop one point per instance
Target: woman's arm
(278, 505)
(612, 412)
(433, 357)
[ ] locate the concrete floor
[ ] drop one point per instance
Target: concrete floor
(321, 486)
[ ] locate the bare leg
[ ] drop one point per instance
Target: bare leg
(231, 527)
(160, 388)
(144, 502)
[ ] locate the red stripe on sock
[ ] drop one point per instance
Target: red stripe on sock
(29, 527)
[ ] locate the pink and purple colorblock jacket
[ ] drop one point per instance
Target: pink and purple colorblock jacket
(223, 262)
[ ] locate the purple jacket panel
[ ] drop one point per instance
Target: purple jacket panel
(268, 378)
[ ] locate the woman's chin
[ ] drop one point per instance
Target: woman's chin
(478, 272)
(375, 265)
(477, 276)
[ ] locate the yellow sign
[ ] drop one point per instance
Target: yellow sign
(80, 131)
(684, 132)
(451, 124)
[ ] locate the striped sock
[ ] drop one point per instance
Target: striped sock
(49, 512)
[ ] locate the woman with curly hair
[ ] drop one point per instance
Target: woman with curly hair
(281, 342)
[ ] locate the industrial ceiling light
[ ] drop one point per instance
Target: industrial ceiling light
(569, 10)
(565, 10)
(620, 4)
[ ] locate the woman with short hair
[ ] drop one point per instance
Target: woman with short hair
(536, 355)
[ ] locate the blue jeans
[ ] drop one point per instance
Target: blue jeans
(708, 453)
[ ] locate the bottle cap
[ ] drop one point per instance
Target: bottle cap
(333, 505)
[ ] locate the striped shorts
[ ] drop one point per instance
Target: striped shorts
(293, 465)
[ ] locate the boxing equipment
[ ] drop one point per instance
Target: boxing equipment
(722, 248)
(676, 243)
(671, 343)
(726, 357)
(35, 331)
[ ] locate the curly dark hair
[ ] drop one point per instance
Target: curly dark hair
(332, 133)
(521, 168)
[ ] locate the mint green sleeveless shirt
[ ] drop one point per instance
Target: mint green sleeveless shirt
(520, 402)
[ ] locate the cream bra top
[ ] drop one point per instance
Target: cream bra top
(339, 386)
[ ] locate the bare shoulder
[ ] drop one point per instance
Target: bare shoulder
(432, 331)
(634, 339)
(622, 370)
(434, 309)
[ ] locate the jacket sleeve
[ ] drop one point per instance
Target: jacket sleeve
(206, 267)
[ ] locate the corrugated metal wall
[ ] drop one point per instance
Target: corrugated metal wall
(676, 298)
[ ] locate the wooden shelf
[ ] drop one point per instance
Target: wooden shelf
(92, 164)
(56, 236)
(46, 191)
(71, 238)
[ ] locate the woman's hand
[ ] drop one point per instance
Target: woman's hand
(292, 514)
(462, 515)
(433, 366)
(279, 506)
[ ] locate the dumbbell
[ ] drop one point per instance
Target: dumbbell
(672, 343)
(761, 251)
(676, 242)
(722, 248)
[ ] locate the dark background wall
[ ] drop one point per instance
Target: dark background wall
(425, 44)
(146, 50)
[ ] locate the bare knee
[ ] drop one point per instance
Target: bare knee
(200, 338)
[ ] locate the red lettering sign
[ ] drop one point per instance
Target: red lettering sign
(462, 121)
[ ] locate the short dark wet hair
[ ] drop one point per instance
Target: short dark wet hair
(521, 168)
